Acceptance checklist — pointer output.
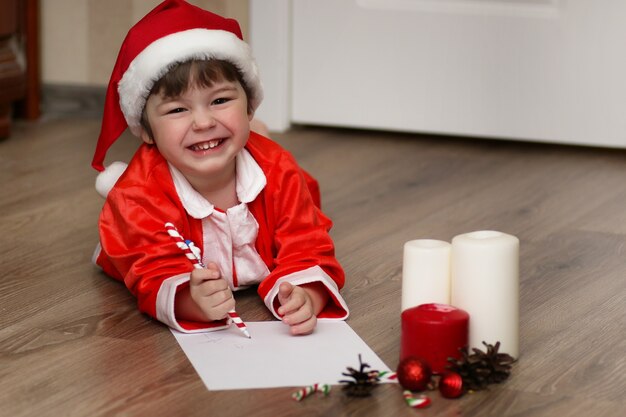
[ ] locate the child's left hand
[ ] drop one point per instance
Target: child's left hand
(297, 309)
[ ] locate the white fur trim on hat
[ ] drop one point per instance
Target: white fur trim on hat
(154, 61)
(107, 178)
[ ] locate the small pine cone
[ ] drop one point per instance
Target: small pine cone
(358, 390)
(480, 369)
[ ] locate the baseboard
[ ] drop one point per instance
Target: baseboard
(61, 100)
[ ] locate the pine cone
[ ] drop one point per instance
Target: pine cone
(363, 382)
(358, 390)
(480, 369)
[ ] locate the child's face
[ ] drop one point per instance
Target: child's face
(201, 131)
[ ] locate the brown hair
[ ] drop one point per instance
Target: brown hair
(194, 73)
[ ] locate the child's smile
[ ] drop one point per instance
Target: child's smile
(205, 146)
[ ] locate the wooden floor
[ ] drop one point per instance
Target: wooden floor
(73, 344)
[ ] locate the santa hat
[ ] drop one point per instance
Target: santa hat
(173, 32)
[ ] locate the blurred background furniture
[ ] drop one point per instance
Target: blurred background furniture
(19, 62)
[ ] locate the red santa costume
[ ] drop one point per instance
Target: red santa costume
(276, 233)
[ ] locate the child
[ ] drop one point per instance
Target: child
(187, 85)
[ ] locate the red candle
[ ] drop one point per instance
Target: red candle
(434, 332)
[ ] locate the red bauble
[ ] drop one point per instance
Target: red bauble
(451, 385)
(413, 374)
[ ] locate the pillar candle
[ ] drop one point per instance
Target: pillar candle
(485, 283)
(433, 332)
(425, 273)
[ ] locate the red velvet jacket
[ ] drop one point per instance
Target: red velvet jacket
(292, 240)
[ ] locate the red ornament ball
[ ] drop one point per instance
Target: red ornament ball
(413, 374)
(451, 385)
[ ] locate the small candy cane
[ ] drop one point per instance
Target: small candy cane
(387, 376)
(415, 402)
(311, 389)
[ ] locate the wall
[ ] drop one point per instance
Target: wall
(80, 39)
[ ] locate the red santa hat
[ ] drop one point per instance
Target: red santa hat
(173, 32)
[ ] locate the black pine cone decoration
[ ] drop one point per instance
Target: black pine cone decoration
(480, 369)
(363, 382)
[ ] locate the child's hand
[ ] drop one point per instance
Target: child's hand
(297, 309)
(210, 292)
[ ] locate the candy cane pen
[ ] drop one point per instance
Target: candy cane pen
(188, 247)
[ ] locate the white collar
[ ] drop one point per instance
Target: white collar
(250, 182)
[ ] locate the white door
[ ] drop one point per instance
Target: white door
(544, 70)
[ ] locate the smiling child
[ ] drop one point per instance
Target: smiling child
(187, 85)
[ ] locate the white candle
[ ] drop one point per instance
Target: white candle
(485, 283)
(425, 273)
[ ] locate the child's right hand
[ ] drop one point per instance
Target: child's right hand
(211, 293)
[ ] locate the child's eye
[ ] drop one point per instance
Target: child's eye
(176, 110)
(221, 100)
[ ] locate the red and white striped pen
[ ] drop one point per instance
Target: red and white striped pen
(187, 247)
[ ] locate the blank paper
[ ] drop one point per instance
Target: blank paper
(226, 359)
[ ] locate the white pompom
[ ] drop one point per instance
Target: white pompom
(107, 178)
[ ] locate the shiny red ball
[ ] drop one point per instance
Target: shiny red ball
(451, 385)
(413, 374)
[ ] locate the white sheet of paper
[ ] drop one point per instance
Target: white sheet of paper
(226, 359)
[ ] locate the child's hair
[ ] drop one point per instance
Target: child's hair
(194, 73)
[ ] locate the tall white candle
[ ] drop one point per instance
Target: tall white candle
(485, 283)
(425, 273)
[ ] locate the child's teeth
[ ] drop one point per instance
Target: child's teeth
(208, 145)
